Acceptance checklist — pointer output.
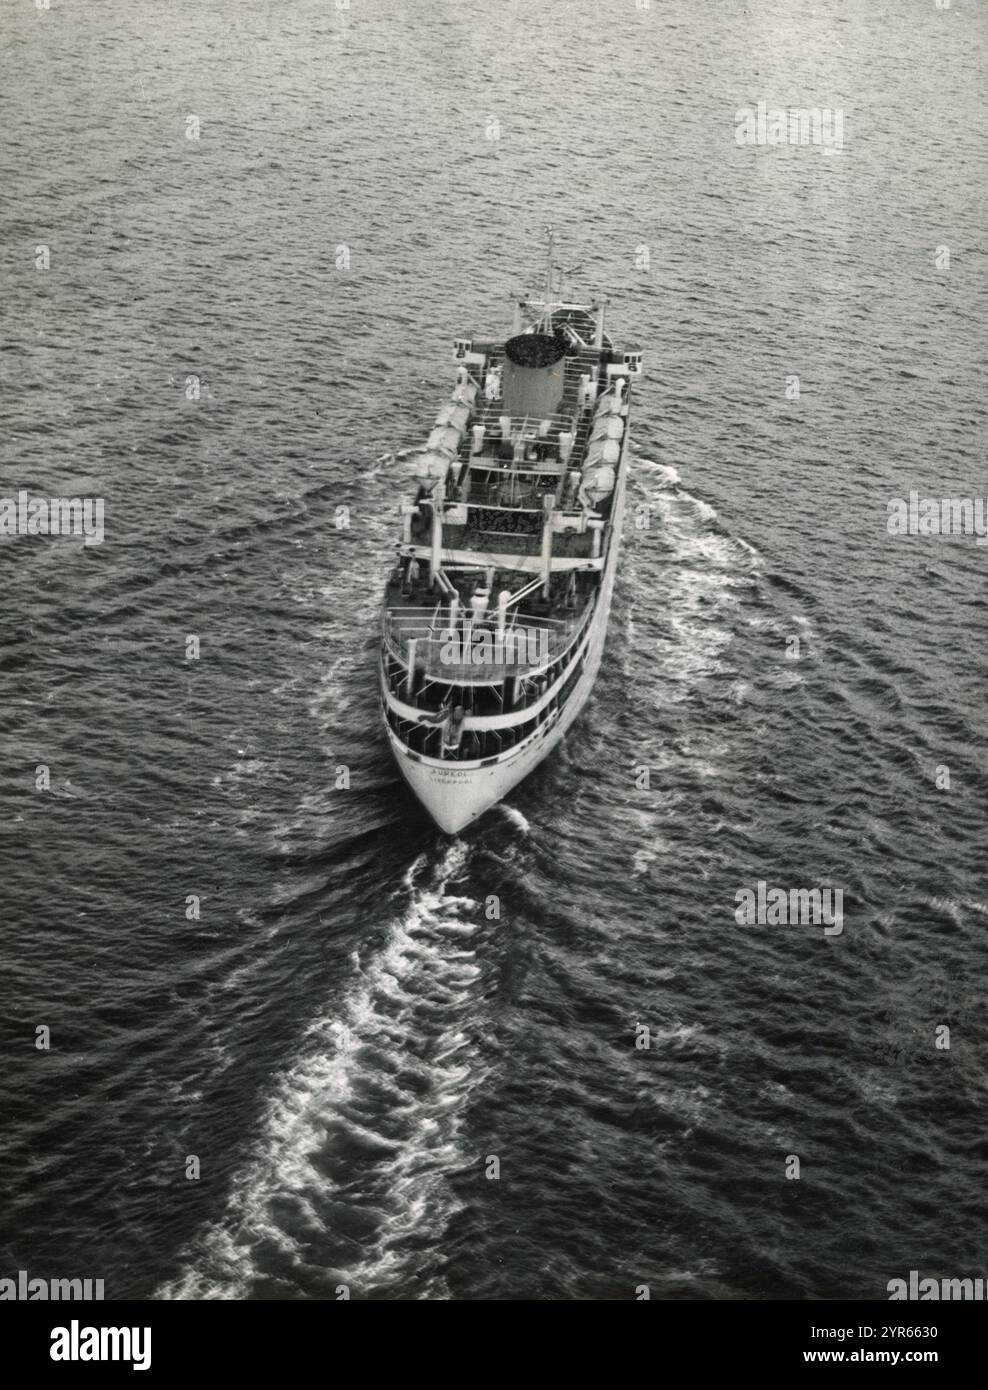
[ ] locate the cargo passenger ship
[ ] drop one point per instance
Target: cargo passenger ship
(495, 613)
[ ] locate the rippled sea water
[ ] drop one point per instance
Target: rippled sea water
(345, 1038)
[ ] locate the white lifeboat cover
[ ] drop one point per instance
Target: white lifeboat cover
(599, 480)
(447, 440)
(431, 465)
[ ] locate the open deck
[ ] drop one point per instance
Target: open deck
(421, 637)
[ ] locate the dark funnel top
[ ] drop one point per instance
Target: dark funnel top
(534, 350)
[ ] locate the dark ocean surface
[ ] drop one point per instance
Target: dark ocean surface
(344, 1038)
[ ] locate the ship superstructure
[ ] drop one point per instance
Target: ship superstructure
(495, 613)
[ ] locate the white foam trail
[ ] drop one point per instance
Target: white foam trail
(664, 470)
(704, 509)
(412, 872)
(643, 857)
(406, 1003)
(706, 568)
(672, 499)
(515, 817)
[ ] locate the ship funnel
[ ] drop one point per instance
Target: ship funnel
(533, 375)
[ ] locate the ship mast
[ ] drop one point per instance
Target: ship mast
(549, 269)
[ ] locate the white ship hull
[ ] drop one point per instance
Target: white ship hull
(456, 793)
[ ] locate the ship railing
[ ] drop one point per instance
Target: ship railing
(503, 496)
(529, 642)
(526, 427)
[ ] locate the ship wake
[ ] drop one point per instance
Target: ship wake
(351, 1172)
(706, 573)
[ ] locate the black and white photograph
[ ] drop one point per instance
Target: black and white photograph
(493, 545)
